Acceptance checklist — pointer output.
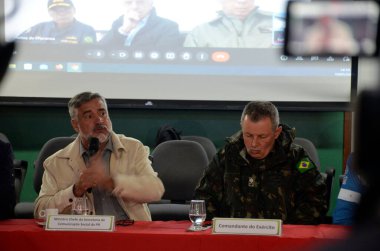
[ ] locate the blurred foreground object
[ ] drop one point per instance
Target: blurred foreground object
(8, 8)
(365, 234)
(6, 52)
(343, 28)
(367, 137)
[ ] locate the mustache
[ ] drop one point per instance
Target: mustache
(100, 127)
(254, 149)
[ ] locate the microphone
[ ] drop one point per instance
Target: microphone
(93, 147)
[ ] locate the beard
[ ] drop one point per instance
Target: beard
(103, 137)
(101, 132)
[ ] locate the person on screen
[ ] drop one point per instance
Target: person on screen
(349, 195)
(117, 178)
(63, 28)
(239, 25)
(139, 26)
(261, 173)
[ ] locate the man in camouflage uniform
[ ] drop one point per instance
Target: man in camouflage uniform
(260, 173)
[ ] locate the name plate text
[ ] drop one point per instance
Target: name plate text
(269, 227)
(63, 222)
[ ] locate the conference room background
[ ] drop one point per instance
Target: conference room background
(196, 97)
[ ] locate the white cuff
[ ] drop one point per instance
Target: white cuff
(349, 195)
(123, 32)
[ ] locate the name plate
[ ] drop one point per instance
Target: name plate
(267, 227)
(66, 222)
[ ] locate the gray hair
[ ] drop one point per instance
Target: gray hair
(257, 110)
(82, 98)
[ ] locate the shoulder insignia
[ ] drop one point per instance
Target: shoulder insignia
(88, 40)
(304, 165)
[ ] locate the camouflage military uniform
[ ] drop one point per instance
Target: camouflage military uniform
(285, 185)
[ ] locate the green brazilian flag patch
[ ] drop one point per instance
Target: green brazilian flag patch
(304, 165)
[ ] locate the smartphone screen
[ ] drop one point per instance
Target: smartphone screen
(344, 28)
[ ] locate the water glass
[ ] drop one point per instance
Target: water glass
(45, 213)
(80, 206)
(197, 214)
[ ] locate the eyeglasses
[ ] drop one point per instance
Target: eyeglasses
(124, 222)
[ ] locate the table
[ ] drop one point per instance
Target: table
(26, 235)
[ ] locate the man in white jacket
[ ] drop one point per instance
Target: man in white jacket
(116, 178)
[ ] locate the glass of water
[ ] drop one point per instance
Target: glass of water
(197, 214)
(80, 206)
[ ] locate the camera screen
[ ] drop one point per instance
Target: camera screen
(333, 28)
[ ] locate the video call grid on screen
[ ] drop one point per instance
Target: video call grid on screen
(101, 13)
(61, 70)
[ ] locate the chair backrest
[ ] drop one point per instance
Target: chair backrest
(328, 174)
(310, 149)
(7, 181)
(20, 168)
(50, 147)
(180, 165)
(4, 138)
(207, 144)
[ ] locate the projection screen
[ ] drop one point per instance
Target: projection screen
(183, 76)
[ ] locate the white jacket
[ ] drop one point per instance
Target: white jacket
(135, 181)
